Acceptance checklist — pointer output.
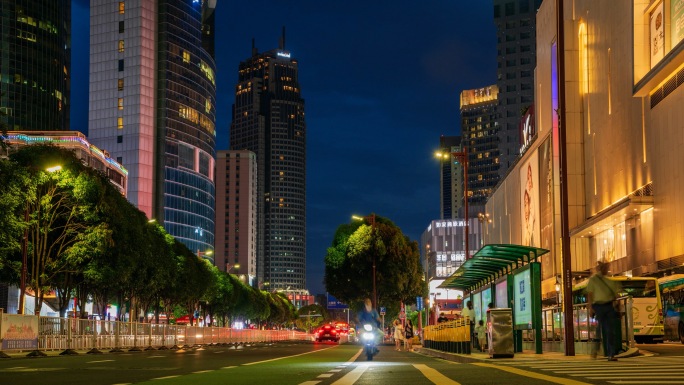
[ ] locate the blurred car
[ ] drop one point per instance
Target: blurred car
(326, 333)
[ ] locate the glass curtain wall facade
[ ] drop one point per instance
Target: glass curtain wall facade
(35, 64)
(186, 116)
(268, 119)
(516, 56)
(450, 178)
(153, 105)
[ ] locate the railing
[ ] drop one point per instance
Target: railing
(451, 336)
(585, 328)
(70, 334)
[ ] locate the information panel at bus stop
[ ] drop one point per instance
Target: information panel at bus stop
(527, 299)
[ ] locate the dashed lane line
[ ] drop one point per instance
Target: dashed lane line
(325, 375)
(94, 362)
(353, 376)
(521, 372)
(166, 377)
(202, 371)
(434, 376)
(282, 358)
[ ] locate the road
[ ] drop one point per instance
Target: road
(304, 363)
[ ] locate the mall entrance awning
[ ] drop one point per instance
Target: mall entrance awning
(490, 263)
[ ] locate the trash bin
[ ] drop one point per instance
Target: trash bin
(500, 333)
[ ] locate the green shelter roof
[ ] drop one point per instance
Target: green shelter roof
(490, 263)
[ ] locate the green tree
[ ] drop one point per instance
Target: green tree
(349, 264)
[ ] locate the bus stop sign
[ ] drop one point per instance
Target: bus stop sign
(383, 310)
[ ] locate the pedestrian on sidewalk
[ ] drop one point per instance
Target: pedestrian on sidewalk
(408, 342)
(398, 334)
(468, 314)
(601, 295)
(481, 332)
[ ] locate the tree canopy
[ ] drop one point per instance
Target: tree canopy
(86, 241)
(349, 265)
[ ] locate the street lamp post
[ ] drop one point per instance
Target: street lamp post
(371, 219)
(229, 266)
(462, 158)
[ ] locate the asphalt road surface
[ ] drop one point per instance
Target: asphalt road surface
(306, 363)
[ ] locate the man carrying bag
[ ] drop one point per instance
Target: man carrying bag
(601, 295)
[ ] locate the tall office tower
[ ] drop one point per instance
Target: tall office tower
(152, 106)
(480, 128)
(236, 213)
(268, 119)
(450, 178)
(516, 45)
(35, 64)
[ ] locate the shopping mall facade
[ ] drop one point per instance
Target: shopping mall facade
(608, 96)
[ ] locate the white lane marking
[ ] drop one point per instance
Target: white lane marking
(351, 377)
(434, 376)
(282, 358)
(325, 375)
(156, 357)
(165, 378)
(94, 362)
(18, 367)
(354, 357)
(202, 371)
(618, 370)
(335, 370)
(646, 382)
(229, 367)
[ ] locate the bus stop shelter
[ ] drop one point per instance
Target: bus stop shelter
(496, 263)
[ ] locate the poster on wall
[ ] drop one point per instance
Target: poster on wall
(486, 300)
(657, 35)
(477, 306)
(676, 21)
(522, 300)
(501, 298)
(546, 207)
(529, 201)
(19, 332)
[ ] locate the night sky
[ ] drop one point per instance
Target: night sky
(381, 80)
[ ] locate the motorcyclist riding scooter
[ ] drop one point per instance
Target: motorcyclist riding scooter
(370, 321)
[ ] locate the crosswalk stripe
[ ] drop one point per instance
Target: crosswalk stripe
(434, 376)
(351, 377)
(521, 372)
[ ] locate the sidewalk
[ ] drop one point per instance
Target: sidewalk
(525, 355)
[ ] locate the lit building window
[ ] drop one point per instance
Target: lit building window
(207, 105)
(120, 103)
(122, 7)
(186, 56)
(121, 45)
(120, 84)
(119, 123)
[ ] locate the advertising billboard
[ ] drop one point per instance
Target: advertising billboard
(527, 296)
(501, 297)
(676, 21)
(529, 201)
(657, 35)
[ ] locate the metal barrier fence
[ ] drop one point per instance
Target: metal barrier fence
(454, 336)
(451, 336)
(70, 334)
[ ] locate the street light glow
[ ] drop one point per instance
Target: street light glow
(53, 168)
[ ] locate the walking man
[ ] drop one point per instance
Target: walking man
(601, 294)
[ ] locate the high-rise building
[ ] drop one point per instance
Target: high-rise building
(35, 67)
(480, 130)
(236, 213)
(450, 178)
(153, 105)
(516, 46)
(268, 119)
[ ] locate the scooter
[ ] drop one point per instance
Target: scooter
(368, 338)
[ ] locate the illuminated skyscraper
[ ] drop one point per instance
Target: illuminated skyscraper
(516, 46)
(450, 178)
(268, 119)
(35, 64)
(480, 131)
(153, 105)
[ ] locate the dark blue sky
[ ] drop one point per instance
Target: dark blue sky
(381, 80)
